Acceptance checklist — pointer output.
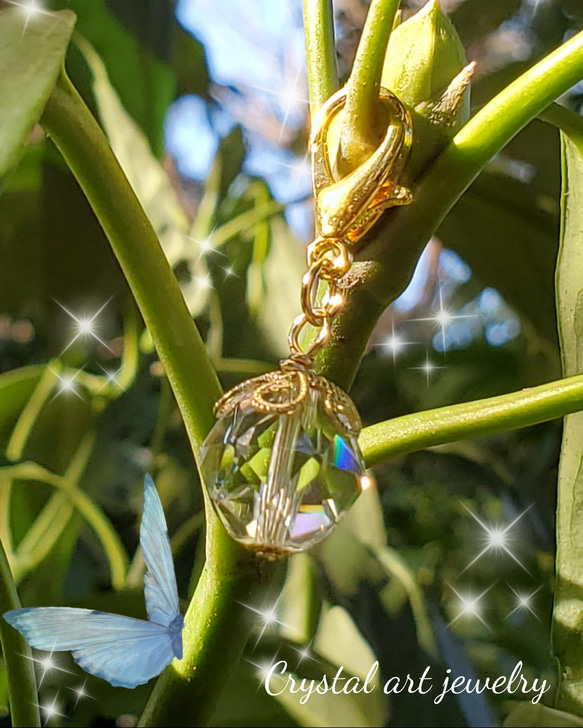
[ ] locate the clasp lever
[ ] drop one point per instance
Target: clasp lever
(347, 208)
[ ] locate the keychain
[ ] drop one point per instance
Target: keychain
(282, 463)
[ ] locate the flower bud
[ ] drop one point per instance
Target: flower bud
(425, 66)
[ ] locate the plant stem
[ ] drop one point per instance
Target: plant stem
(94, 516)
(215, 630)
(472, 419)
(567, 121)
(320, 51)
(17, 655)
(386, 269)
(31, 411)
(361, 125)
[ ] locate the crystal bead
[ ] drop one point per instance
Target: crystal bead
(282, 463)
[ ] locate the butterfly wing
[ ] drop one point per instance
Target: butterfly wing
(124, 651)
(160, 589)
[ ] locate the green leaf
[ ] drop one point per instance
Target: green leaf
(146, 175)
(149, 181)
(354, 654)
(31, 56)
(143, 80)
(509, 240)
(541, 716)
(568, 613)
(283, 271)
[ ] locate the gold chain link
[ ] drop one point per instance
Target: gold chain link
(346, 209)
(322, 293)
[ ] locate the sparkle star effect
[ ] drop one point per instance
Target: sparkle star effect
(268, 616)
(81, 693)
(85, 327)
(394, 343)
(442, 317)
(263, 668)
(524, 602)
(470, 606)
(292, 97)
(206, 246)
(31, 9)
(229, 272)
(301, 173)
(67, 384)
(428, 367)
(112, 377)
(304, 653)
(204, 283)
(497, 538)
(51, 710)
(47, 664)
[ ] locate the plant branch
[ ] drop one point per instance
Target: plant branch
(320, 51)
(17, 655)
(215, 630)
(565, 120)
(387, 263)
(360, 128)
(472, 419)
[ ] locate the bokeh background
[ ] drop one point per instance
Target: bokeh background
(205, 104)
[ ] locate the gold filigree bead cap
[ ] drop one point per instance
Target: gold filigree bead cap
(282, 463)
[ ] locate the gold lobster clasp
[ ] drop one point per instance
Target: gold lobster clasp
(347, 208)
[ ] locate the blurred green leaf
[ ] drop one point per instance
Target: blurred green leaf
(283, 272)
(300, 603)
(141, 78)
(146, 175)
(508, 236)
(568, 612)
(539, 716)
(31, 56)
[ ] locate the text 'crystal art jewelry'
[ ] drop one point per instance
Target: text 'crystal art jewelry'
(282, 463)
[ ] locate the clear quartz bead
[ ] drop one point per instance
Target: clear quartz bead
(280, 481)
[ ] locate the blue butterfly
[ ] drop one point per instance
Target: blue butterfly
(122, 650)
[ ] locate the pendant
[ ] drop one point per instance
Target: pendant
(282, 463)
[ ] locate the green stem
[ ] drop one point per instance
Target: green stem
(31, 411)
(362, 123)
(49, 525)
(320, 51)
(94, 516)
(17, 655)
(567, 121)
(385, 270)
(473, 419)
(215, 630)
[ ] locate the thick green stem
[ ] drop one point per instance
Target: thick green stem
(390, 258)
(17, 655)
(362, 124)
(214, 632)
(320, 51)
(472, 419)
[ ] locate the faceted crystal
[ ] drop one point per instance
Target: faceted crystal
(280, 482)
